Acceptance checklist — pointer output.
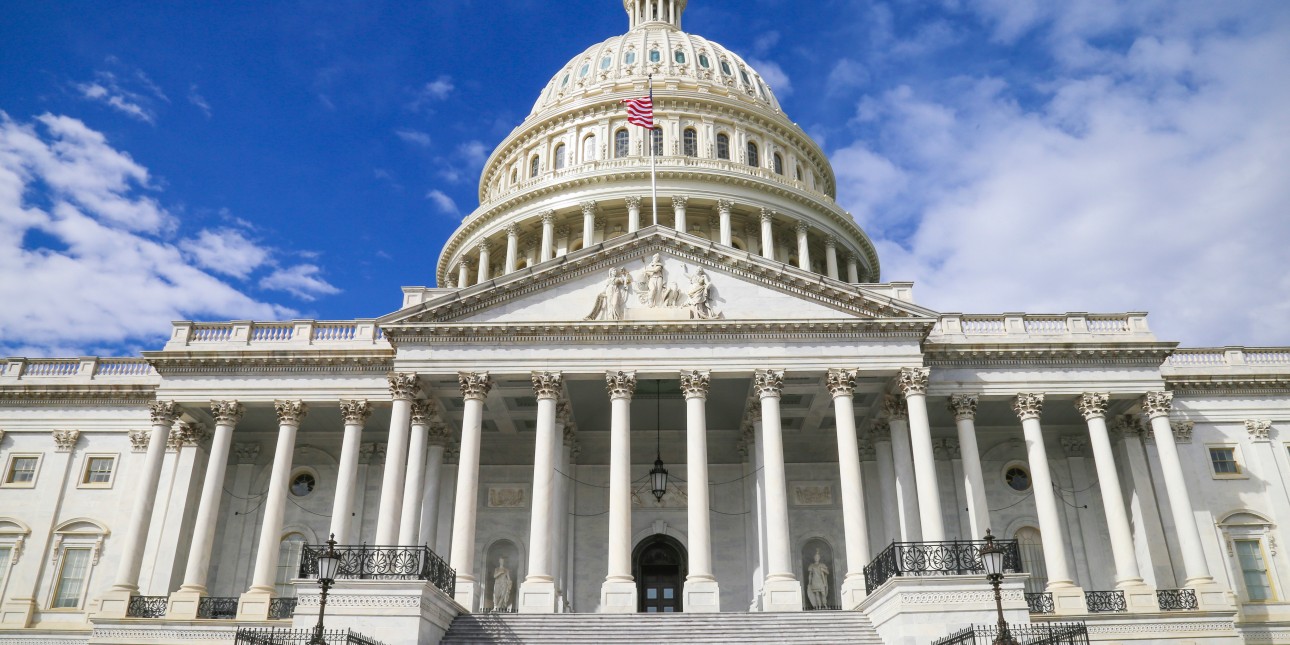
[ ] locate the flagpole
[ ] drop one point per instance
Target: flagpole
(653, 178)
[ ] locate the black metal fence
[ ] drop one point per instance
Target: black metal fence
(217, 607)
(936, 559)
(363, 562)
(825, 607)
(1032, 634)
(1177, 599)
(281, 608)
(1105, 601)
(269, 636)
(147, 606)
(1040, 603)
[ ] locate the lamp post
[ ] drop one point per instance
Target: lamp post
(992, 558)
(328, 564)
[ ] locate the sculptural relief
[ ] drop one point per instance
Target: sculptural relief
(653, 290)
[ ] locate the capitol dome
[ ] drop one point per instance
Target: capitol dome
(730, 166)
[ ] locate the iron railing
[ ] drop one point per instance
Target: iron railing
(507, 610)
(217, 607)
(363, 562)
(956, 557)
(147, 606)
(1040, 603)
(270, 636)
(1177, 599)
(1032, 634)
(1105, 601)
(281, 608)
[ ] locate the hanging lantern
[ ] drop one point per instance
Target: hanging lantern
(658, 479)
(658, 476)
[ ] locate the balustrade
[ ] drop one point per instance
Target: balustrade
(1105, 601)
(956, 557)
(363, 562)
(1032, 634)
(1040, 603)
(1177, 599)
(147, 606)
(217, 607)
(272, 636)
(282, 608)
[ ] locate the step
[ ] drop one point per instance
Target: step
(814, 628)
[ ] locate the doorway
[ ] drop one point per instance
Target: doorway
(659, 566)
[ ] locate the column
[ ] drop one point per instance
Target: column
(116, 601)
(403, 388)
(964, 408)
(803, 247)
(759, 466)
(537, 592)
(474, 387)
(891, 525)
(183, 603)
(701, 593)
(723, 215)
(483, 248)
(355, 414)
(1156, 405)
(564, 440)
(618, 592)
(254, 603)
(438, 441)
(588, 224)
(414, 480)
(853, 272)
(633, 213)
(913, 382)
(783, 591)
(512, 247)
(831, 256)
(1067, 597)
(678, 212)
(767, 234)
(548, 236)
(842, 385)
(463, 274)
(902, 456)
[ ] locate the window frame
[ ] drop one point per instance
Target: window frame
(690, 142)
(75, 534)
(560, 156)
(291, 568)
(589, 140)
(1023, 465)
(10, 463)
(656, 140)
(1266, 560)
(623, 137)
(1237, 458)
(535, 166)
(58, 578)
(752, 154)
(13, 536)
(88, 459)
(723, 140)
(777, 163)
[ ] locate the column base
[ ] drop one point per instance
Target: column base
(537, 597)
(1068, 599)
(183, 605)
(1139, 598)
(1214, 597)
(114, 603)
(254, 604)
(784, 594)
(466, 593)
(701, 596)
(618, 597)
(853, 592)
(17, 612)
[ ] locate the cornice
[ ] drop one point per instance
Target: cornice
(79, 395)
(1143, 354)
(597, 332)
(369, 361)
(1228, 385)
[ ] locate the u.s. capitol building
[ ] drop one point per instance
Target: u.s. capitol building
(498, 442)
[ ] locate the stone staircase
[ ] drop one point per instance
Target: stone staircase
(813, 628)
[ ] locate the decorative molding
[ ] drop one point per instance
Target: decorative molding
(1182, 430)
(880, 430)
(163, 413)
(185, 434)
(946, 449)
(227, 413)
(139, 439)
(620, 384)
(507, 497)
(1157, 404)
(1260, 429)
(404, 386)
(1092, 404)
(421, 411)
(768, 383)
(840, 382)
(547, 385)
(694, 383)
(812, 494)
(241, 363)
(474, 385)
(913, 380)
(290, 413)
(246, 453)
(1028, 405)
(371, 452)
(65, 440)
(866, 449)
(355, 411)
(963, 406)
(1074, 445)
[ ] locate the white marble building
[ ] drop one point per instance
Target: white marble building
(745, 338)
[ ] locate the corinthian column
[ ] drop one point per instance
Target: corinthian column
(512, 248)
(678, 211)
(355, 413)
(463, 273)
(414, 480)
(438, 440)
(853, 271)
(254, 604)
(782, 591)
(548, 236)
(964, 408)
(537, 592)
(618, 592)
(633, 213)
(723, 215)
(588, 224)
(1157, 405)
(913, 382)
(767, 234)
(484, 261)
(881, 434)
(897, 412)
(701, 593)
(474, 387)
(842, 385)
(831, 256)
(403, 388)
(803, 247)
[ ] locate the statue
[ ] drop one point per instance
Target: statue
(502, 586)
(817, 583)
(611, 302)
(654, 289)
(700, 290)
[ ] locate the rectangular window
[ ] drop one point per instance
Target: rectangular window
(22, 470)
(1224, 461)
(98, 470)
(5, 553)
(1254, 570)
(71, 579)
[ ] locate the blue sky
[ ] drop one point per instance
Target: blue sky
(163, 161)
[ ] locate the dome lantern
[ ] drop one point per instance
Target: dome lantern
(644, 12)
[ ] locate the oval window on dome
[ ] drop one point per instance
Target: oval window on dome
(564, 81)
(586, 67)
(629, 57)
(725, 68)
(762, 88)
(605, 62)
(704, 62)
(654, 56)
(744, 75)
(680, 57)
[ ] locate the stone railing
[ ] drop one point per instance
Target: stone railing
(1234, 358)
(1015, 326)
(88, 368)
(295, 333)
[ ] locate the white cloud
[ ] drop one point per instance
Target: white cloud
(436, 90)
(225, 251)
(198, 100)
(443, 202)
(847, 73)
(474, 152)
(774, 75)
(301, 281)
(414, 137)
(109, 89)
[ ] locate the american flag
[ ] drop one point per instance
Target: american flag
(641, 111)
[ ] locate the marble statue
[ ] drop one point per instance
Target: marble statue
(817, 583)
(652, 286)
(502, 586)
(700, 294)
(611, 302)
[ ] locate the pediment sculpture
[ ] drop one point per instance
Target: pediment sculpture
(653, 291)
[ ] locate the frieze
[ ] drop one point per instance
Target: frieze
(507, 497)
(812, 494)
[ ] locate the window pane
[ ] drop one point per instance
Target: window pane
(1253, 570)
(691, 142)
(723, 146)
(22, 470)
(99, 470)
(71, 578)
(559, 156)
(5, 552)
(656, 137)
(668, 593)
(589, 148)
(288, 565)
(621, 140)
(1224, 460)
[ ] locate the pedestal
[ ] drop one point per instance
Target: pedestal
(701, 596)
(466, 593)
(1215, 597)
(618, 597)
(254, 605)
(183, 605)
(17, 612)
(394, 612)
(1140, 598)
(782, 595)
(1068, 600)
(853, 592)
(919, 610)
(538, 597)
(114, 603)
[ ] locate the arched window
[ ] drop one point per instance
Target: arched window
(533, 166)
(690, 142)
(779, 164)
(679, 57)
(1032, 557)
(656, 138)
(723, 145)
(753, 159)
(289, 551)
(621, 143)
(629, 57)
(654, 56)
(77, 546)
(798, 171)
(589, 148)
(559, 157)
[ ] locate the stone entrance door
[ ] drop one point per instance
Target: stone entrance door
(660, 564)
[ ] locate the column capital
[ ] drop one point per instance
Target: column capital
(371, 452)
(466, 262)
(1260, 429)
(588, 207)
(403, 385)
(246, 453)
(439, 435)
(1028, 405)
(801, 226)
(421, 412)
(185, 434)
(483, 247)
(865, 449)
(568, 436)
(946, 449)
(694, 383)
(880, 430)
(547, 216)
(724, 206)
(767, 215)
(226, 413)
(895, 407)
(620, 384)
(768, 383)
(1157, 404)
(163, 413)
(474, 385)
(1092, 404)
(563, 231)
(633, 201)
(1074, 445)
(355, 411)
(599, 222)
(830, 242)
(913, 380)
(1131, 424)
(564, 412)
(680, 201)
(547, 385)
(753, 412)
(65, 440)
(290, 413)
(963, 406)
(1182, 430)
(139, 439)
(841, 382)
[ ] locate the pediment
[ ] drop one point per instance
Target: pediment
(657, 275)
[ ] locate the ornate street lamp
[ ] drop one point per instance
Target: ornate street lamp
(992, 557)
(328, 565)
(658, 475)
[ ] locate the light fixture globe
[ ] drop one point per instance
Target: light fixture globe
(991, 557)
(328, 562)
(658, 479)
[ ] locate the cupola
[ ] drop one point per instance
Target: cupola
(648, 12)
